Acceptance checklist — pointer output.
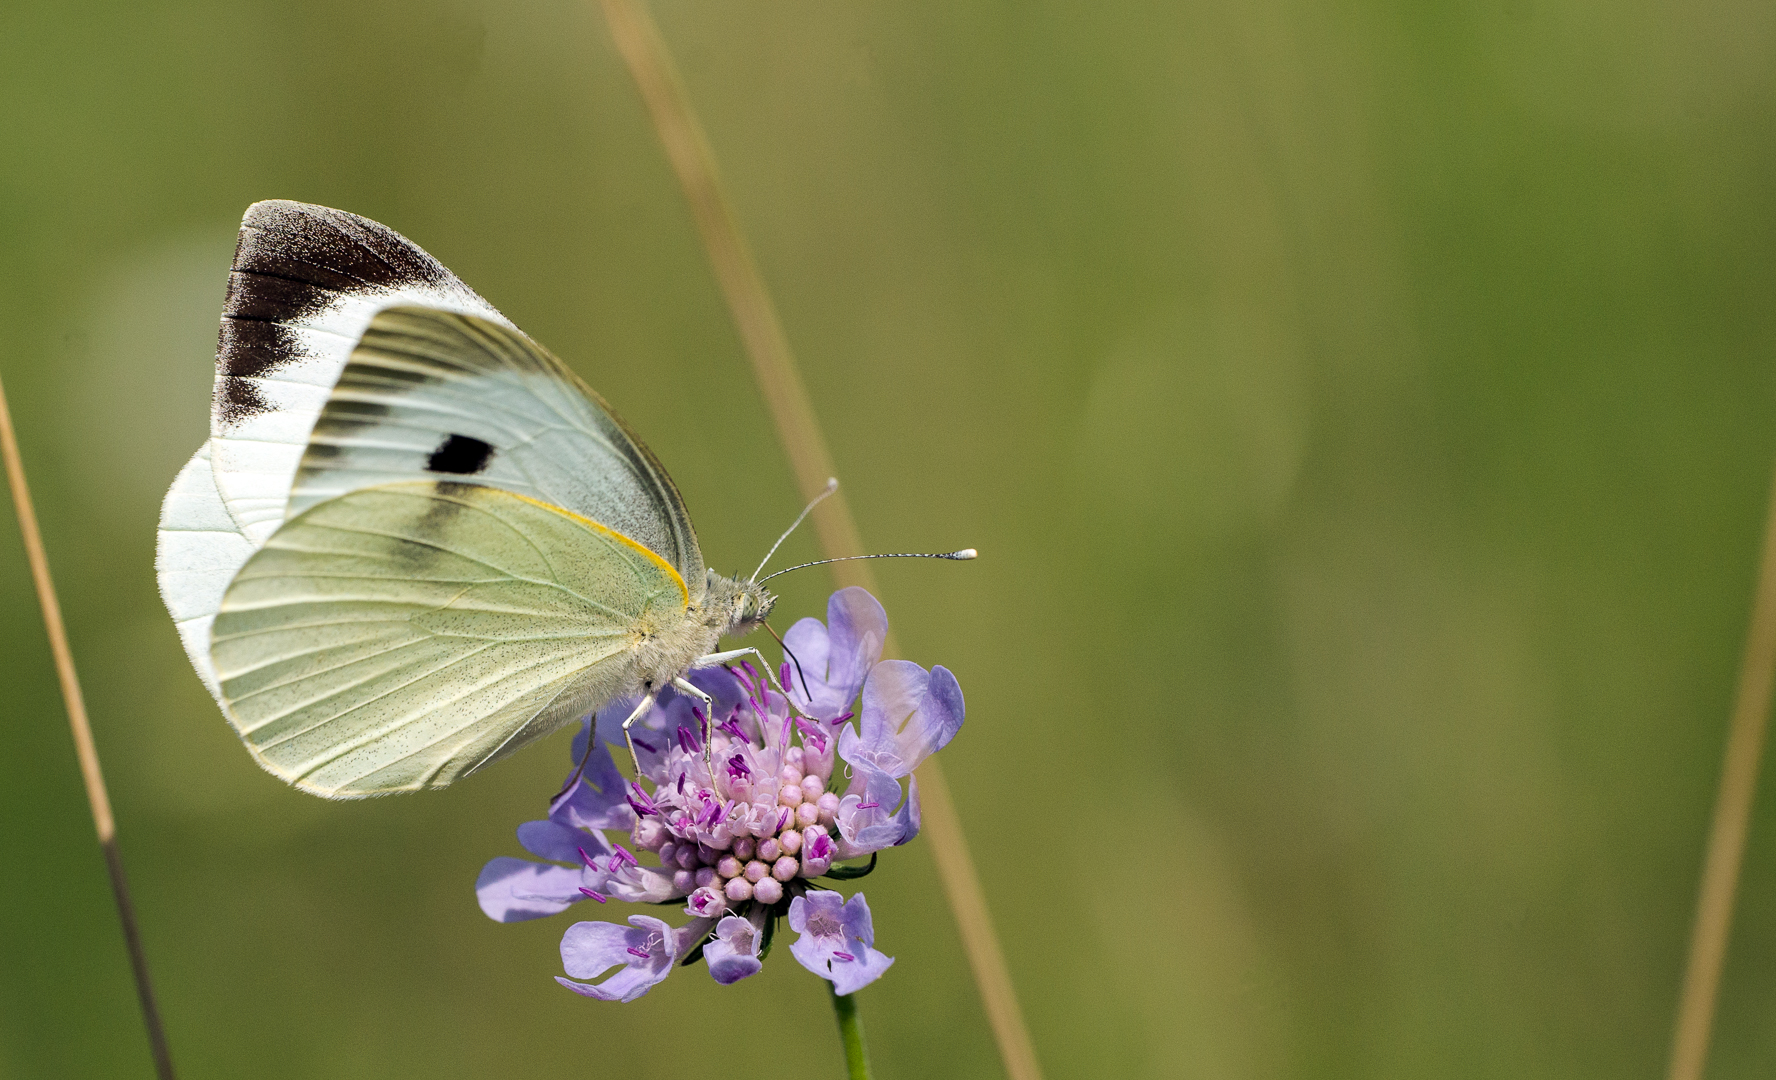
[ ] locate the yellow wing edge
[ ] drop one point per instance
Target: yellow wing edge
(651, 555)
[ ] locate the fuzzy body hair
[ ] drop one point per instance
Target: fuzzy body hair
(667, 644)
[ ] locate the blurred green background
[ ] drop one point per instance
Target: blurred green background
(1365, 409)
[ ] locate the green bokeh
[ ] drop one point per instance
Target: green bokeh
(1365, 412)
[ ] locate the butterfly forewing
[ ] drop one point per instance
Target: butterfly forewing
(400, 636)
(449, 395)
(197, 553)
(305, 282)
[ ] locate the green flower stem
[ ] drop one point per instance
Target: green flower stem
(851, 1032)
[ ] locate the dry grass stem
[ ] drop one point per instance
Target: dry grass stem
(761, 332)
(1732, 817)
(84, 748)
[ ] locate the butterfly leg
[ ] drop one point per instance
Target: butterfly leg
(716, 659)
(685, 686)
(647, 702)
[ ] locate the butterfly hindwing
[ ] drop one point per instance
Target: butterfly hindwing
(305, 282)
(400, 636)
(430, 393)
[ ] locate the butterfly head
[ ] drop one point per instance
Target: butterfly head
(745, 604)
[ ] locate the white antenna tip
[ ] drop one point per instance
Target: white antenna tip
(832, 484)
(965, 553)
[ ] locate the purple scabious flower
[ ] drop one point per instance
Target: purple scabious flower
(791, 787)
(837, 941)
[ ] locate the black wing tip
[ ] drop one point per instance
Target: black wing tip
(294, 259)
(300, 216)
(333, 249)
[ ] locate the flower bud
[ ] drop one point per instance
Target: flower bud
(728, 866)
(737, 890)
(769, 849)
(706, 903)
(744, 847)
(790, 842)
(807, 814)
(768, 891)
(785, 869)
(791, 795)
(649, 833)
(755, 871)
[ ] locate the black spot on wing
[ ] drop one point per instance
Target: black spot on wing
(461, 455)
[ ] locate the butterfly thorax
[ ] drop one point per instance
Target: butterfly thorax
(731, 607)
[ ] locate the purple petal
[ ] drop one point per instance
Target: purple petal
(848, 977)
(944, 710)
(733, 954)
(809, 643)
(865, 819)
(720, 684)
(858, 924)
(890, 698)
(625, 985)
(857, 626)
(640, 885)
(853, 976)
(866, 965)
(908, 714)
(589, 949)
(834, 659)
(513, 890)
(818, 916)
(598, 800)
(645, 730)
(553, 840)
(908, 818)
(609, 722)
(645, 949)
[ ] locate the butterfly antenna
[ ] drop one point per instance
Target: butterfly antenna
(957, 556)
(792, 659)
(832, 485)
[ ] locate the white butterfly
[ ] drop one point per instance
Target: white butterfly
(415, 541)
